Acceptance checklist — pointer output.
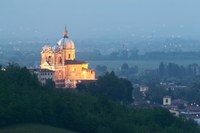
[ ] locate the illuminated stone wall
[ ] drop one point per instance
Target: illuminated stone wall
(68, 70)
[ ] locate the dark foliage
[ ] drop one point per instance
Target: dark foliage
(23, 100)
(175, 70)
(110, 86)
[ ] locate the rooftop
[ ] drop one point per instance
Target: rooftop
(74, 62)
(41, 70)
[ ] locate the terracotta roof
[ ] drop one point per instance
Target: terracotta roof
(74, 62)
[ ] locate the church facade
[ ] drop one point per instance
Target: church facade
(61, 59)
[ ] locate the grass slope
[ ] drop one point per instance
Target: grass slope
(33, 128)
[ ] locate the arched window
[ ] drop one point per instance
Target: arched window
(69, 56)
(59, 76)
(166, 101)
(60, 60)
(49, 59)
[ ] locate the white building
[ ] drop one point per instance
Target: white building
(167, 100)
(144, 88)
(43, 75)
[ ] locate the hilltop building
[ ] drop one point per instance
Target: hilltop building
(43, 75)
(61, 59)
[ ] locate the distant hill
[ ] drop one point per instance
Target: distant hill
(33, 128)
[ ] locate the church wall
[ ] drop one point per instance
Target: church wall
(59, 72)
(73, 71)
(77, 72)
(89, 74)
(59, 58)
(69, 54)
(47, 56)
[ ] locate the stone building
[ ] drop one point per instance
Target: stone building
(43, 75)
(61, 59)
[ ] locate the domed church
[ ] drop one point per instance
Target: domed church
(61, 59)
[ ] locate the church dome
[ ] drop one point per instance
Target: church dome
(65, 42)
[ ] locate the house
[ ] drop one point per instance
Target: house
(43, 75)
(166, 100)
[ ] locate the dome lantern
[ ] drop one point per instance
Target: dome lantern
(66, 42)
(65, 34)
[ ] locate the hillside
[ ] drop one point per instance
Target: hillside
(23, 100)
(33, 128)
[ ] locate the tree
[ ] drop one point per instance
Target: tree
(161, 69)
(101, 70)
(50, 84)
(124, 67)
(112, 87)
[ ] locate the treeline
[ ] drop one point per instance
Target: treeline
(110, 86)
(175, 70)
(23, 100)
(176, 55)
(134, 54)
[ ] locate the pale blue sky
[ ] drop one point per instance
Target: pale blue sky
(38, 19)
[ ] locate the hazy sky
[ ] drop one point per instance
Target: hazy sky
(41, 19)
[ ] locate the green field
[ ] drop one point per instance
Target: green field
(33, 128)
(142, 64)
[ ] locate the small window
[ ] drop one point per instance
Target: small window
(69, 56)
(60, 60)
(166, 101)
